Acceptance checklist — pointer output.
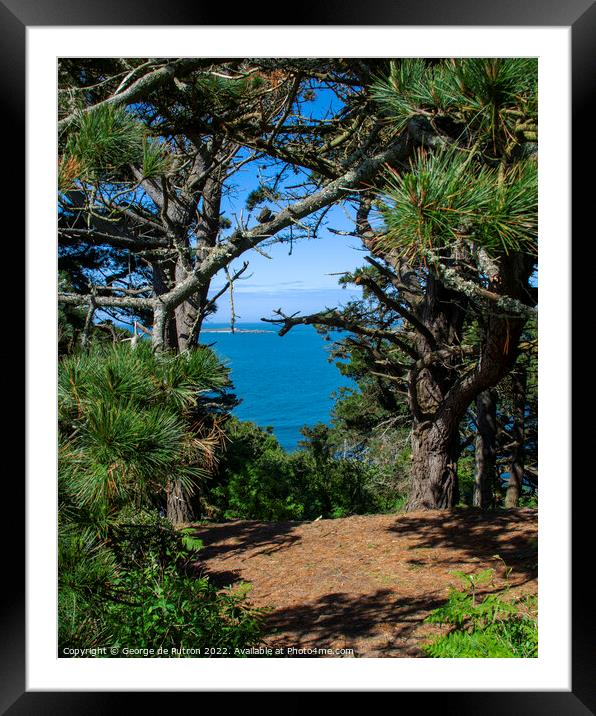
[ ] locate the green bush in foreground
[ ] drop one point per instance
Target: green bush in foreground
(129, 421)
(493, 627)
(169, 606)
(139, 590)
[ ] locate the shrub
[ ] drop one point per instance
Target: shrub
(139, 589)
(493, 627)
(351, 477)
(167, 603)
(258, 480)
(177, 612)
(129, 420)
(256, 477)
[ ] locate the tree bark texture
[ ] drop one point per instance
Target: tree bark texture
(440, 395)
(178, 507)
(435, 451)
(435, 434)
(485, 469)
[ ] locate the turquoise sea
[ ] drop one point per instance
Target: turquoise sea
(284, 382)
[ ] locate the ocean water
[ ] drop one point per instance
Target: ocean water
(283, 382)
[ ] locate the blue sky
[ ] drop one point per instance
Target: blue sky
(296, 278)
(298, 281)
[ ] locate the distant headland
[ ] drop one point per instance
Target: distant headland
(236, 330)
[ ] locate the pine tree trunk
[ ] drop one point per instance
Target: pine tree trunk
(435, 450)
(175, 328)
(185, 316)
(516, 468)
(179, 509)
(485, 472)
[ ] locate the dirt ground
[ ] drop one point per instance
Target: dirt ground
(366, 583)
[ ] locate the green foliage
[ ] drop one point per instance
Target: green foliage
(529, 500)
(445, 196)
(224, 90)
(128, 422)
(155, 160)
(124, 425)
(404, 92)
(256, 477)
(466, 466)
(105, 140)
(121, 453)
(141, 537)
(509, 222)
(167, 604)
(491, 627)
(492, 98)
(259, 480)
(103, 143)
(176, 612)
(139, 590)
(489, 91)
(370, 428)
(120, 376)
(478, 115)
(260, 195)
(345, 478)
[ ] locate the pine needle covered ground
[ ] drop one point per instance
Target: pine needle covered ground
(367, 582)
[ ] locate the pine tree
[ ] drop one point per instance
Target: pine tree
(452, 233)
(134, 430)
(149, 148)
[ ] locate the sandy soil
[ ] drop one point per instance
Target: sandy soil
(366, 583)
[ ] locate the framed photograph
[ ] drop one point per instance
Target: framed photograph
(52, 54)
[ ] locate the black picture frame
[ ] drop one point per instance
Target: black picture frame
(580, 16)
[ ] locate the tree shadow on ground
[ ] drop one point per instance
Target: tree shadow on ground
(219, 578)
(379, 623)
(229, 538)
(475, 535)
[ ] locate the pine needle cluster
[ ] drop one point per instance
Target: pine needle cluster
(473, 177)
(102, 144)
(494, 99)
(446, 196)
(124, 425)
